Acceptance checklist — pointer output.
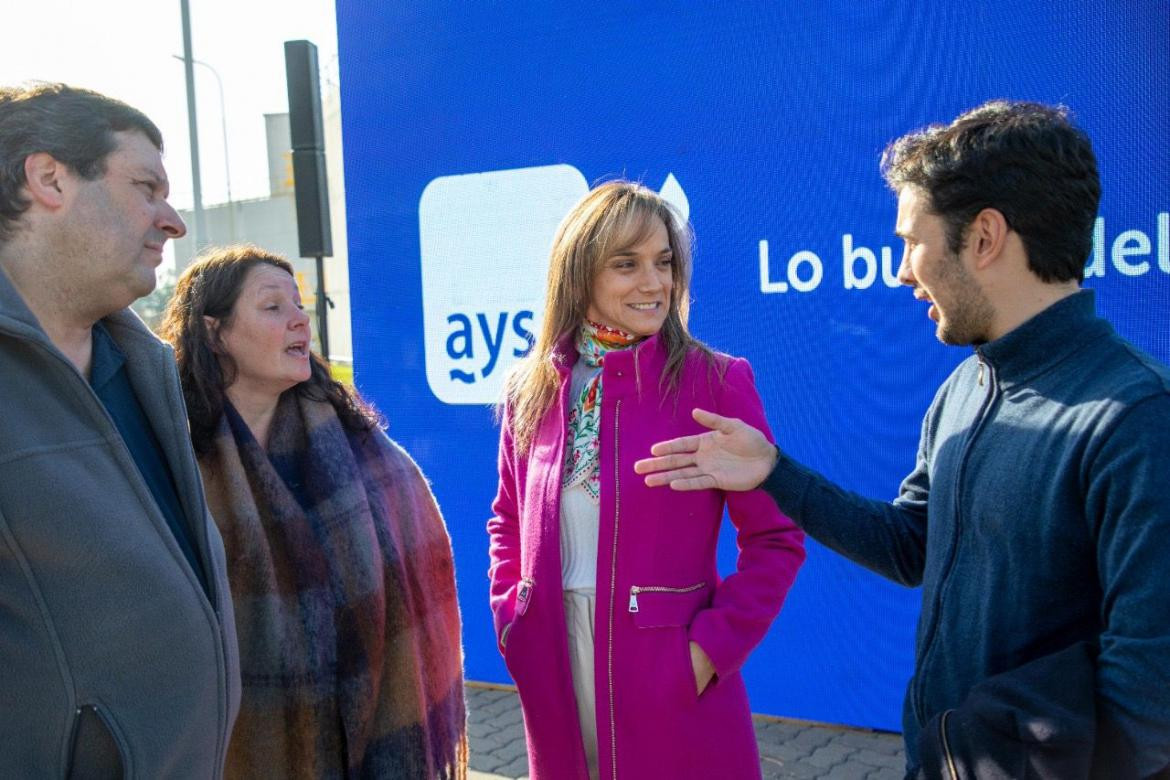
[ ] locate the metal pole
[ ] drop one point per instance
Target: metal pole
(193, 129)
(322, 309)
(227, 165)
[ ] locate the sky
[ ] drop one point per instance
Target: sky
(124, 48)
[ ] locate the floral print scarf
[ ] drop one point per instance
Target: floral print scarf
(582, 459)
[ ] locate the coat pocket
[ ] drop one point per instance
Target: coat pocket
(95, 753)
(660, 606)
(662, 615)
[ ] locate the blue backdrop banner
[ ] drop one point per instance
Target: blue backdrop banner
(470, 128)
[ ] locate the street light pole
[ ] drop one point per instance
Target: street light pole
(193, 128)
(227, 166)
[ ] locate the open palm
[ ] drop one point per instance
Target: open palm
(731, 456)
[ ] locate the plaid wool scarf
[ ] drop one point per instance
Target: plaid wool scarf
(344, 592)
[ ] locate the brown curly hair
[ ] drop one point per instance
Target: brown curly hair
(210, 287)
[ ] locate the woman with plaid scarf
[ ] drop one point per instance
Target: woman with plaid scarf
(340, 565)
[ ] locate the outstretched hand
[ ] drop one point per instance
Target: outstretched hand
(731, 456)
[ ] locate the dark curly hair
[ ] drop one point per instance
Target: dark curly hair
(1027, 161)
(75, 126)
(209, 288)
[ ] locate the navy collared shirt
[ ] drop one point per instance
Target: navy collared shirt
(111, 383)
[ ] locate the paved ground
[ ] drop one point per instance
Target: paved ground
(787, 748)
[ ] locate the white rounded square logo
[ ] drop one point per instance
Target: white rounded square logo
(484, 240)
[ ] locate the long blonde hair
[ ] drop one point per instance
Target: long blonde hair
(611, 218)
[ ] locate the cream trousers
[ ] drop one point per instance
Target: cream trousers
(579, 611)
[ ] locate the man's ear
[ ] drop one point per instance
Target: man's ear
(45, 176)
(987, 237)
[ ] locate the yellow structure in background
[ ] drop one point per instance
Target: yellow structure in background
(306, 288)
(342, 372)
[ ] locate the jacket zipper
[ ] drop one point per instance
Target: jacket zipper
(636, 589)
(944, 580)
(617, 494)
(946, 745)
(524, 595)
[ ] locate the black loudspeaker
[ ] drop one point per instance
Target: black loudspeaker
(308, 149)
(312, 194)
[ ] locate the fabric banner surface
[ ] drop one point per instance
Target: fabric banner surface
(470, 129)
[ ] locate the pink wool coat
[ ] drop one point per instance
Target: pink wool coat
(657, 584)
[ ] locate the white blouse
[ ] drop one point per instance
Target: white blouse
(580, 517)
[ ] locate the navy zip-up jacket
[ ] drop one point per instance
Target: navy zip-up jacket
(1037, 516)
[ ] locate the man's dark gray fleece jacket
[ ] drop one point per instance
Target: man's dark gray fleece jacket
(112, 653)
(1037, 516)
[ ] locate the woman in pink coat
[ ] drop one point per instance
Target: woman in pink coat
(624, 642)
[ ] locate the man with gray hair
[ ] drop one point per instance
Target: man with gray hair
(117, 639)
(1037, 518)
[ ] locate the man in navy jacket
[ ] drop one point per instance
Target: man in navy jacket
(1036, 519)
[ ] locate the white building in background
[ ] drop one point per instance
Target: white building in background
(272, 223)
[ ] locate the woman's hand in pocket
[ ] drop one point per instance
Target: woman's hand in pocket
(704, 670)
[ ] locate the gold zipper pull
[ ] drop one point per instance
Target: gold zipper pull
(634, 599)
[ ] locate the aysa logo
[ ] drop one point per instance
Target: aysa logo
(484, 240)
